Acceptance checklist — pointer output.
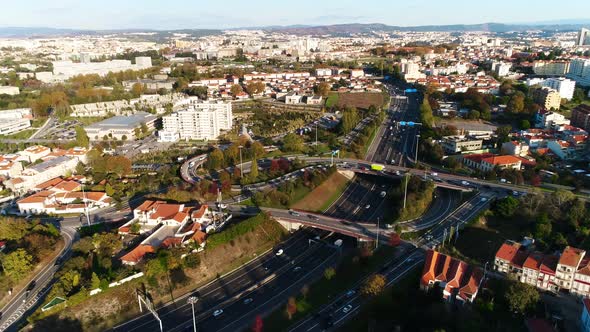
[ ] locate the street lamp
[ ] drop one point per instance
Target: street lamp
(192, 300)
(417, 144)
(406, 189)
(241, 166)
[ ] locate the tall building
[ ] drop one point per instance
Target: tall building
(501, 69)
(583, 37)
(548, 98)
(580, 71)
(581, 117)
(562, 85)
(198, 121)
(551, 68)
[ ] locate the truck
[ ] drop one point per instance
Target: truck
(377, 167)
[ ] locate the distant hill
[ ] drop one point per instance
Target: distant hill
(356, 28)
(20, 32)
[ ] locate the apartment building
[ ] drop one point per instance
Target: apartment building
(581, 117)
(551, 68)
(458, 144)
(548, 98)
(562, 85)
(14, 120)
(569, 271)
(579, 71)
(515, 148)
(548, 119)
(199, 120)
(63, 70)
(9, 90)
(501, 69)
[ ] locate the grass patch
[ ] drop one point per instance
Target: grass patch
(236, 230)
(25, 134)
(324, 195)
(351, 270)
(360, 100)
(332, 100)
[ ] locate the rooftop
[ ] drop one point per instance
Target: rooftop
(125, 122)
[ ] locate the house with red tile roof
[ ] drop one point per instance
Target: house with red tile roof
(567, 266)
(137, 254)
(505, 257)
(459, 281)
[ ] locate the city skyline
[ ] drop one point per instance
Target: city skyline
(181, 14)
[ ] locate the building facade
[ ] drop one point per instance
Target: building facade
(548, 98)
(198, 121)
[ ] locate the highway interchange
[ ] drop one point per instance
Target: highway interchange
(268, 280)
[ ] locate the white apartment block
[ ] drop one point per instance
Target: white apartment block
(551, 68)
(564, 86)
(14, 121)
(546, 119)
(9, 90)
(199, 120)
(501, 68)
(580, 71)
(63, 70)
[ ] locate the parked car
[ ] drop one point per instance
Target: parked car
(217, 313)
(347, 309)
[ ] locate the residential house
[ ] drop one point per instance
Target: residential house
(459, 281)
(515, 148)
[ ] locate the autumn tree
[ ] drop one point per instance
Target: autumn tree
(254, 88)
(236, 89)
(323, 89)
(329, 273)
(17, 264)
(374, 285)
(291, 307)
(215, 159)
(292, 143)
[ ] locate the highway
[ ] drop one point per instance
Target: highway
(264, 280)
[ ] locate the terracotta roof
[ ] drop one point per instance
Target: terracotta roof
(507, 251)
(534, 260)
(571, 256)
(199, 237)
(166, 211)
(171, 241)
(200, 212)
(502, 160)
(39, 197)
(145, 206)
(471, 284)
(477, 158)
(549, 264)
(49, 183)
(68, 186)
(137, 253)
(429, 267)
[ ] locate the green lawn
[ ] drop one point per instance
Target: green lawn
(332, 99)
(25, 134)
(351, 270)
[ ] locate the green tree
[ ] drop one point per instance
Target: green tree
(144, 128)
(329, 273)
(525, 124)
(137, 89)
(521, 297)
(17, 264)
(507, 206)
(13, 229)
(374, 285)
(108, 189)
(215, 159)
(236, 89)
(426, 116)
(516, 103)
(254, 169)
(81, 137)
(292, 143)
(95, 281)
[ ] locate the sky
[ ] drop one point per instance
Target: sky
(219, 14)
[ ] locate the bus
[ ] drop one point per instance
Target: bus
(377, 167)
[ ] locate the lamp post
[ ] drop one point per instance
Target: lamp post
(406, 189)
(417, 144)
(241, 166)
(192, 300)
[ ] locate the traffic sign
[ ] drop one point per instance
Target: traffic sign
(402, 123)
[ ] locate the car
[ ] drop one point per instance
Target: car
(363, 168)
(344, 222)
(294, 213)
(368, 206)
(279, 252)
(248, 300)
(347, 309)
(515, 193)
(350, 293)
(434, 174)
(483, 199)
(382, 194)
(297, 269)
(428, 237)
(312, 217)
(217, 312)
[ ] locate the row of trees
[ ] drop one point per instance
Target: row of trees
(27, 244)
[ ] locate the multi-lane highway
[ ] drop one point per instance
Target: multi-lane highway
(264, 281)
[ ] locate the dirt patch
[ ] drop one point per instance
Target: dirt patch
(362, 100)
(324, 194)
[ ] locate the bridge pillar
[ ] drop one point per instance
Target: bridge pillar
(289, 225)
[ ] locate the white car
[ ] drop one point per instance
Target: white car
(347, 309)
(248, 300)
(217, 312)
(279, 252)
(368, 206)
